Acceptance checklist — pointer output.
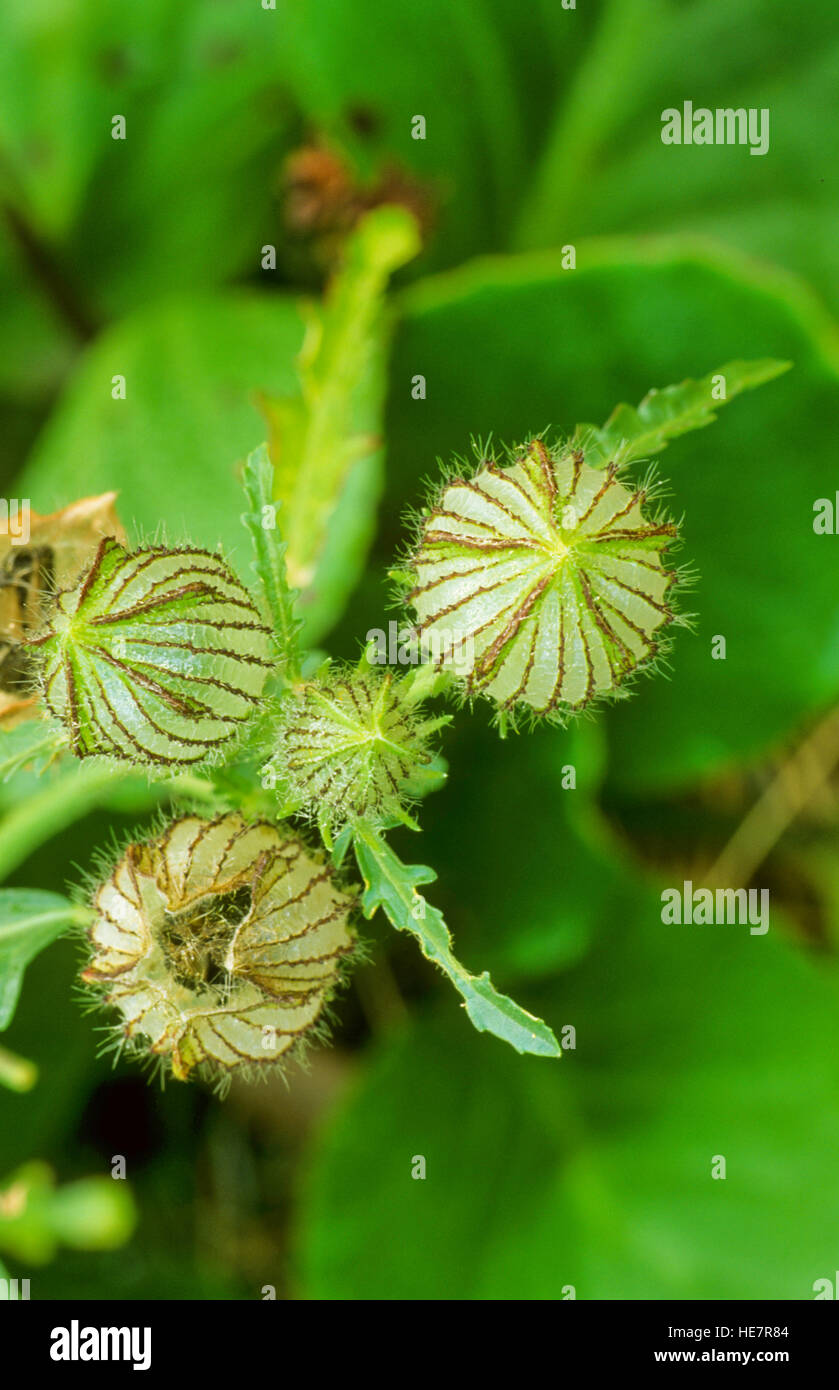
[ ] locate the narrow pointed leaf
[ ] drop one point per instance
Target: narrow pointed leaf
(325, 441)
(631, 433)
(392, 886)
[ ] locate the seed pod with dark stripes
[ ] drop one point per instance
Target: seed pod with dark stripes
(348, 745)
(219, 943)
(60, 546)
(153, 657)
(547, 574)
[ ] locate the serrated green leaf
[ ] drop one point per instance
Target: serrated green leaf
(270, 551)
(631, 433)
(392, 886)
(29, 920)
(326, 439)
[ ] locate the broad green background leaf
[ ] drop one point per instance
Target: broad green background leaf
(511, 347)
(37, 346)
(188, 196)
(193, 369)
(554, 135)
(216, 95)
(29, 920)
(604, 168)
(36, 350)
(481, 72)
(29, 744)
(597, 1173)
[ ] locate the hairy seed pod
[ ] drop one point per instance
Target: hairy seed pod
(59, 547)
(348, 746)
(154, 657)
(219, 943)
(548, 574)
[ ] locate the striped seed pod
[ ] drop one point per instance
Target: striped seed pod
(60, 546)
(153, 657)
(348, 745)
(547, 572)
(219, 943)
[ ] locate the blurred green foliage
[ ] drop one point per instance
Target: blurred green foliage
(36, 1216)
(143, 258)
(29, 921)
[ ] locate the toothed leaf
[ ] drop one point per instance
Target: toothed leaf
(631, 433)
(392, 886)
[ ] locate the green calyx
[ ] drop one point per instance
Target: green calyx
(541, 582)
(155, 657)
(348, 746)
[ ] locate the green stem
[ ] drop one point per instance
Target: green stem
(271, 568)
(74, 794)
(62, 802)
(334, 363)
(327, 432)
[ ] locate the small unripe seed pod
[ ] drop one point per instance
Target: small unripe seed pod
(219, 943)
(348, 745)
(548, 573)
(153, 657)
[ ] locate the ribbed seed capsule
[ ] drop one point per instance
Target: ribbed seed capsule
(60, 546)
(548, 573)
(154, 657)
(347, 745)
(219, 943)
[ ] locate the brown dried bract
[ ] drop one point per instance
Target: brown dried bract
(324, 198)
